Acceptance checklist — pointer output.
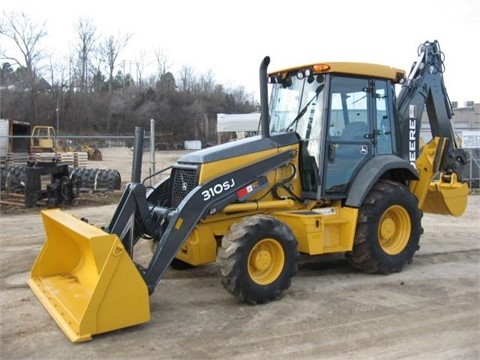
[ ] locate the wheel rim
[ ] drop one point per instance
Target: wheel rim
(265, 261)
(394, 230)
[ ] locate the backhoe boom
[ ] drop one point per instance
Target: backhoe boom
(425, 88)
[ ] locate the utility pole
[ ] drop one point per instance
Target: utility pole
(58, 117)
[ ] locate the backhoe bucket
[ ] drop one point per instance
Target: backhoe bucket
(446, 198)
(86, 280)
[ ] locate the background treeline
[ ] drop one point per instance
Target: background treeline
(92, 92)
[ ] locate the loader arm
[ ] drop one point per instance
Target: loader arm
(440, 159)
(134, 197)
(182, 220)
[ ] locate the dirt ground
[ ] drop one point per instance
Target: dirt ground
(431, 310)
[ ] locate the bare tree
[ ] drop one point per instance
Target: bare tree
(187, 78)
(87, 36)
(25, 35)
(140, 68)
(162, 62)
(110, 49)
(58, 81)
(207, 82)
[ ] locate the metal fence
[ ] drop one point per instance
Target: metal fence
(471, 173)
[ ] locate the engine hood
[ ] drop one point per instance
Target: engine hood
(238, 148)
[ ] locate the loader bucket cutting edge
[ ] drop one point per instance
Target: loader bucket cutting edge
(86, 280)
(446, 199)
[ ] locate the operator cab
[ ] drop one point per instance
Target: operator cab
(343, 118)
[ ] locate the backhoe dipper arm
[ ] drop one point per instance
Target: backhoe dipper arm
(425, 88)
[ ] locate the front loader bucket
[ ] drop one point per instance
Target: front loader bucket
(446, 198)
(86, 280)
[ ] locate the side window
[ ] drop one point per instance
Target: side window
(383, 120)
(348, 109)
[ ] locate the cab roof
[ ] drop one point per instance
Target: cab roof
(350, 68)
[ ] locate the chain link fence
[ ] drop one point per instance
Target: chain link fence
(471, 173)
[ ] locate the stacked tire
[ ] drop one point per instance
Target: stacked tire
(97, 179)
(15, 179)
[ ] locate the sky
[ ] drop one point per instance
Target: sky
(230, 39)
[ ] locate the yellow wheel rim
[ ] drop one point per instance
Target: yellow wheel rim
(394, 230)
(265, 261)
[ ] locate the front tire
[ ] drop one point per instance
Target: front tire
(257, 259)
(388, 229)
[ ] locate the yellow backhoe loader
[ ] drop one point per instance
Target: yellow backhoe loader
(43, 139)
(337, 169)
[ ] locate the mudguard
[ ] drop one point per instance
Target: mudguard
(372, 171)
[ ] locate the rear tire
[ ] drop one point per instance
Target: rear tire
(388, 229)
(257, 259)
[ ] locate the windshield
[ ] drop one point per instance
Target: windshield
(296, 105)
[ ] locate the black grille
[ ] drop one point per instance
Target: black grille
(183, 181)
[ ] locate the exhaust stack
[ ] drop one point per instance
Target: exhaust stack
(264, 97)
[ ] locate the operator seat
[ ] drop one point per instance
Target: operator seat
(384, 140)
(355, 130)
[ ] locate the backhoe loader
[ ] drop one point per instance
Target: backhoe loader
(43, 139)
(337, 168)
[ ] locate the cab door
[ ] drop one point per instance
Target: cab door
(350, 139)
(383, 136)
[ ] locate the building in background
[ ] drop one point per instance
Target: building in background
(237, 126)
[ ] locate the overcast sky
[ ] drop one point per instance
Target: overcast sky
(231, 40)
